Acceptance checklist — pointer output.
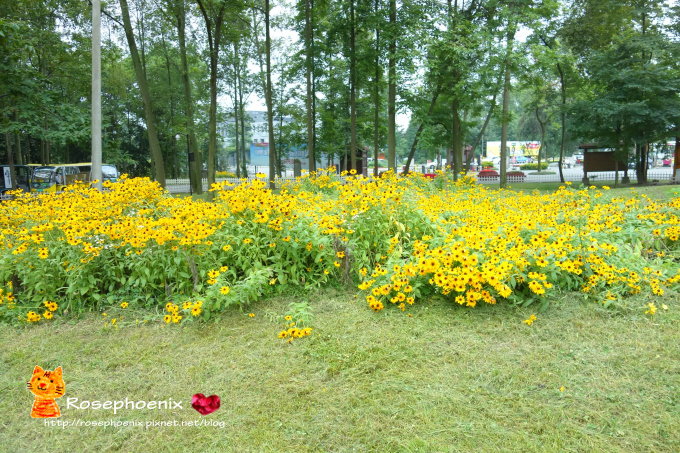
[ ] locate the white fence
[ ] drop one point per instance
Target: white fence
(573, 174)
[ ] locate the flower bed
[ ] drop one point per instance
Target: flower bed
(488, 174)
(404, 239)
(515, 176)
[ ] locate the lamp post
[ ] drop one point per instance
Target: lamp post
(190, 159)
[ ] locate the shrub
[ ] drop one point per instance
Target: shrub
(533, 166)
(488, 175)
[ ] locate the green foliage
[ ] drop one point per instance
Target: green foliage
(533, 166)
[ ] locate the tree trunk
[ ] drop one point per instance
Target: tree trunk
(542, 126)
(455, 160)
(10, 160)
(242, 114)
(352, 89)
(309, 74)
(392, 89)
(149, 115)
(676, 160)
(18, 157)
(478, 139)
(214, 49)
(376, 95)
(171, 161)
(642, 151)
(563, 120)
(212, 118)
(236, 129)
(268, 98)
(506, 108)
(414, 145)
(195, 164)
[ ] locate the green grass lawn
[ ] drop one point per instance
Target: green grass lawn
(445, 379)
(659, 191)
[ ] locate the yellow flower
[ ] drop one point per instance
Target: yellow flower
(283, 334)
(48, 314)
(288, 317)
(225, 290)
(195, 311)
(336, 264)
(530, 320)
(251, 315)
(124, 305)
(651, 310)
(32, 316)
(176, 318)
(167, 319)
(247, 241)
(340, 254)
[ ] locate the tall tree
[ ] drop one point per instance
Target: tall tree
(213, 12)
(376, 86)
(195, 160)
(154, 144)
(352, 86)
(309, 81)
(392, 88)
(505, 115)
(268, 95)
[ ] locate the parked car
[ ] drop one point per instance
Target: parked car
(23, 179)
(54, 178)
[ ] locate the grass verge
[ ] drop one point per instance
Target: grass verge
(581, 378)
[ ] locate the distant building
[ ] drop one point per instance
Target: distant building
(256, 130)
(257, 135)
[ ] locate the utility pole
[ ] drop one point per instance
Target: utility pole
(96, 172)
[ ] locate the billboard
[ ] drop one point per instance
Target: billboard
(515, 148)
